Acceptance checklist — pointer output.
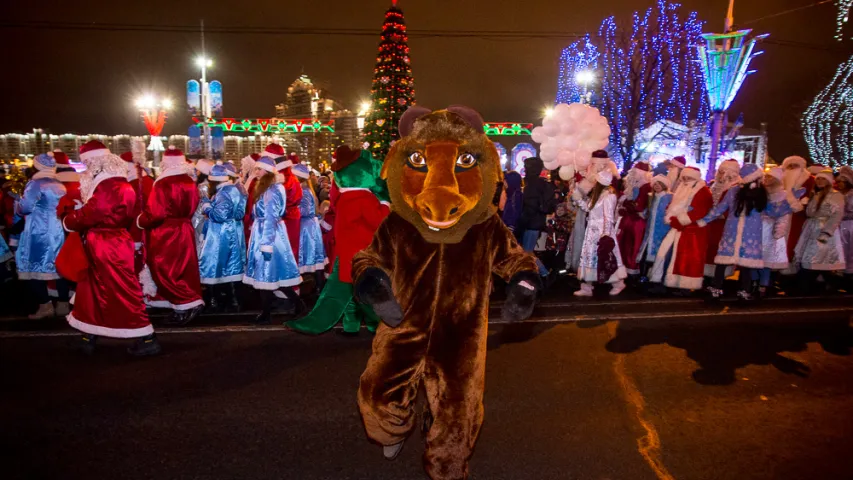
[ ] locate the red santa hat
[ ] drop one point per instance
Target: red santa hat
(691, 173)
(292, 159)
(643, 166)
(795, 160)
(127, 157)
(64, 171)
(817, 169)
(173, 157)
(60, 157)
(274, 151)
(92, 149)
(677, 162)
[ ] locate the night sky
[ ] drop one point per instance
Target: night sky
(85, 81)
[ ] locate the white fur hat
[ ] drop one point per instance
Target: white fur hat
(662, 179)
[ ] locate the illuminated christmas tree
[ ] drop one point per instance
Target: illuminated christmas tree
(393, 88)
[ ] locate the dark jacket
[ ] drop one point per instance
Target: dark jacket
(514, 200)
(539, 198)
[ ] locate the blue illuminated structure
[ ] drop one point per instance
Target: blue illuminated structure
(649, 73)
(580, 56)
(725, 59)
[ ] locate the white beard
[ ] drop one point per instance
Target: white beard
(682, 198)
(87, 184)
(722, 183)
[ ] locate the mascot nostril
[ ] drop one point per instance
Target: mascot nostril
(428, 275)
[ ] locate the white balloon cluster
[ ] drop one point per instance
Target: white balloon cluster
(569, 135)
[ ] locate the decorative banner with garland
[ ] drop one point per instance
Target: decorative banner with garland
(393, 90)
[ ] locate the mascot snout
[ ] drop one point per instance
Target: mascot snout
(440, 208)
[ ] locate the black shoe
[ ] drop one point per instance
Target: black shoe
(299, 310)
(234, 305)
(344, 333)
(145, 346)
(262, 319)
(86, 343)
(657, 289)
(182, 317)
(213, 305)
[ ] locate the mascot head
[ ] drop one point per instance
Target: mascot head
(443, 172)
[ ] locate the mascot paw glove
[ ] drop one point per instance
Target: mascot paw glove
(373, 287)
(521, 293)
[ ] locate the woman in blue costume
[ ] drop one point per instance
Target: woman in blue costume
(271, 266)
(312, 254)
(43, 235)
(222, 258)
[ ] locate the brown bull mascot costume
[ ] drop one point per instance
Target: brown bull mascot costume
(427, 274)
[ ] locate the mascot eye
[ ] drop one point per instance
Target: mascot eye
(466, 160)
(417, 161)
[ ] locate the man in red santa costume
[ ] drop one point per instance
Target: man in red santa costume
(632, 210)
(293, 189)
(170, 244)
(142, 184)
(680, 261)
(108, 301)
(674, 168)
(798, 179)
(70, 179)
(727, 176)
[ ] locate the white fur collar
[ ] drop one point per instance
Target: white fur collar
(172, 172)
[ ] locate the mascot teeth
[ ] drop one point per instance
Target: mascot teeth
(434, 229)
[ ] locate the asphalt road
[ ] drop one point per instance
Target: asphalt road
(574, 401)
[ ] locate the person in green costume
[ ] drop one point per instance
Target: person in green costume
(361, 205)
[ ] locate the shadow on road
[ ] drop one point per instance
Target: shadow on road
(721, 350)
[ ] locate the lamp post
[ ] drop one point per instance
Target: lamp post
(585, 78)
(204, 63)
(725, 59)
(154, 113)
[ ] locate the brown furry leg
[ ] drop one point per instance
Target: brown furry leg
(389, 385)
(454, 381)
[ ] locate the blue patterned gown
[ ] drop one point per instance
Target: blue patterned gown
(43, 234)
(312, 254)
(222, 256)
(270, 235)
(742, 243)
(657, 227)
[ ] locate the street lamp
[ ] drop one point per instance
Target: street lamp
(204, 63)
(725, 59)
(585, 78)
(154, 113)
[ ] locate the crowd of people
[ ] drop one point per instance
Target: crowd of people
(665, 230)
(112, 242)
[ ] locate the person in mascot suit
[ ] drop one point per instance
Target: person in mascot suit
(427, 275)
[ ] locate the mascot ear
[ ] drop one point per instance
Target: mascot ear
(407, 121)
(471, 117)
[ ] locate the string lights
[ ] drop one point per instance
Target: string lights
(393, 90)
(650, 73)
(828, 122)
(578, 58)
(842, 16)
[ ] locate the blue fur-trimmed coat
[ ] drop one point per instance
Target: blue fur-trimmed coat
(657, 226)
(312, 254)
(222, 256)
(742, 242)
(43, 235)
